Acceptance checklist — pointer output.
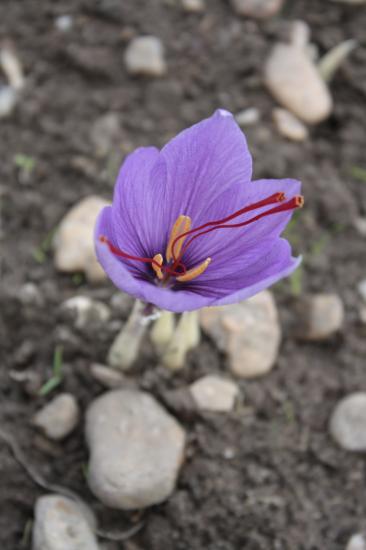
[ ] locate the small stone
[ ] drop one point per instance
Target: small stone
(86, 311)
(248, 117)
(318, 316)
(295, 82)
(193, 6)
(105, 133)
(30, 295)
(60, 524)
(110, 378)
(361, 287)
(136, 450)
(74, 243)
(348, 422)
(59, 417)
(29, 379)
(64, 23)
(12, 67)
(289, 126)
(356, 542)
(240, 330)
(360, 225)
(259, 9)
(8, 101)
(213, 393)
(145, 56)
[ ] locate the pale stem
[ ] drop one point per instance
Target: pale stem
(162, 331)
(126, 346)
(185, 337)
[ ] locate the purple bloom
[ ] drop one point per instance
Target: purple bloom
(188, 228)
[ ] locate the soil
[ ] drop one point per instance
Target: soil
(267, 476)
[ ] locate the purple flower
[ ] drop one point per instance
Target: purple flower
(188, 228)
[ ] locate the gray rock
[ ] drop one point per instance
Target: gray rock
(60, 524)
(240, 330)
(248, 117)
(105, 133)
(145, 56)
(136, 450)
(259, 9)
(348, 422)
(214, 393)
(318, 316)
(59, 417)
(360, 225)
(8, 101)
(110, 378)
(294, 81)
(356, 542)
(74, 243)
(289, 126)
(86, 311)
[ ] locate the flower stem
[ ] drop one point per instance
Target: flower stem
(185, 337)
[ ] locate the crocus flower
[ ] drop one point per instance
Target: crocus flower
(188, 227)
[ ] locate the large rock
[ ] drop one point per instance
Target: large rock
(136, 450)
(145, 56)
(348, 422)
(249, 332)
(60, 524)
(59, 417)
(74, 243)
(294, 81)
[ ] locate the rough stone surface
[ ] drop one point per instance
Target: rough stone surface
(214, 393)
(318, 316)
(60, 524)
(136, 449)
(241, 330)
(110, 378)
(295, 82)
(259, 9)
(59, 417)
(348, 422)
(289, 126)
(356, 542)
(145, 56)
(74, 245)
(86, 311)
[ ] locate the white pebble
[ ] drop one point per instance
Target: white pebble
(12, 67)
(248, 117)
(319, 316)
(214, 393)
(59, 417)
(86, 311)
(136, 450)
(362, 289)
(74, 242)
(145, 56)
(193, 6)
(288, 125)
(60, 524)
(64, 23)
(240, 330)
(356, 542)
(348, 422)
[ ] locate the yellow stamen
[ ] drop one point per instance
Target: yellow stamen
(182, 224)
(194, 272)
(158, 258)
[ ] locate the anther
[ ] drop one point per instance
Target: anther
(182, 225)
(158, 260)
(194, 272)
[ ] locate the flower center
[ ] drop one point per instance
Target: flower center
(178, 243)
